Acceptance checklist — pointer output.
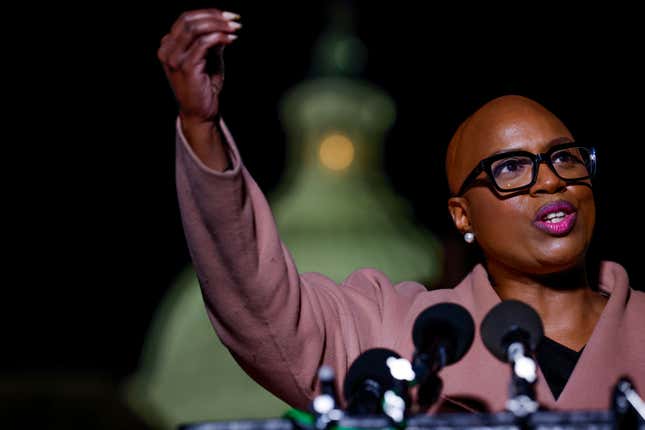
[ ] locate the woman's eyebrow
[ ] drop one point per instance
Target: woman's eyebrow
(559, 140)
(508, 150)
(549, 145)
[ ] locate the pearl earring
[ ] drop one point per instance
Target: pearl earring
(469, 237)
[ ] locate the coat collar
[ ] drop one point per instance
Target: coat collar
(598, 355)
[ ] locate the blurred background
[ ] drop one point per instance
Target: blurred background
(330, 103)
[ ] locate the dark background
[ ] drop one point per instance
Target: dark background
(104, 239)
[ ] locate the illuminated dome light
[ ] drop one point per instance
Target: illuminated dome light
(336, 152)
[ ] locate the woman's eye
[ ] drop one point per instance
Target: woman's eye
(511, 166)
(568, 157)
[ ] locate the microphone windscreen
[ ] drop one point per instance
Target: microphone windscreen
(371, 364)
(448, 323)
(508, 321)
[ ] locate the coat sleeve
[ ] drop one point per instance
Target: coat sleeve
(279, 325)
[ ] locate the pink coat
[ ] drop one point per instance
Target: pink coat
(281, 326)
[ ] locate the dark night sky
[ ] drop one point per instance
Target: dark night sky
(117, 241)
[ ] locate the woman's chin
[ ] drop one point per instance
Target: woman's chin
(560, 260)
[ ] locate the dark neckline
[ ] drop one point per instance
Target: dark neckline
(557, 362)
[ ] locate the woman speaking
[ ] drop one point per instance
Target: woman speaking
(521, 191)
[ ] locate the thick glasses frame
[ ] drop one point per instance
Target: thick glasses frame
(485, 165)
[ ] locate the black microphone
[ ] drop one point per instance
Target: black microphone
(508, 322)
(511, 331)
(442, 335)
(367, 381)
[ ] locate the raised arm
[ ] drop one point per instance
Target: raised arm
(279, 325)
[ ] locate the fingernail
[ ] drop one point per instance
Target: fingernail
(230, 15)
(231, 37)
(234, 25)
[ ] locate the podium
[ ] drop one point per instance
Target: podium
(542, 420)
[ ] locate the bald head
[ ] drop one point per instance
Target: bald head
(506, 122)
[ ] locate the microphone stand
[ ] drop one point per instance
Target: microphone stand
(627, 405)
(426, 368)
(326, 406)
(521, 402)
(396, 401)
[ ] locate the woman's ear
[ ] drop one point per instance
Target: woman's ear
(459, 211)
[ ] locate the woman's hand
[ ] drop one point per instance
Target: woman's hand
(195, 37)
(192, 57)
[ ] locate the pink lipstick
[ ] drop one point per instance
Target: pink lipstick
(556, 218)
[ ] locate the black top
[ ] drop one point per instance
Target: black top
(556, 362)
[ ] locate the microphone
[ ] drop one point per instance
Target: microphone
(627, 405)
(327, 400)
(376, 384)
(326, 378)
(508, 322)
(442, 335)
(511, 331)
(325, 405)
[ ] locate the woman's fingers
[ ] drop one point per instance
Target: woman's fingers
(191, 33)
(164, 48)
(188, 28)
(188, 17)
(197, 51)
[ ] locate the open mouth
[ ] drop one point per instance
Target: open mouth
(556, 218)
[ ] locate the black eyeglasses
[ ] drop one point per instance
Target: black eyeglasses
(518, 170)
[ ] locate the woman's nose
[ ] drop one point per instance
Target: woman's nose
(547, 181)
